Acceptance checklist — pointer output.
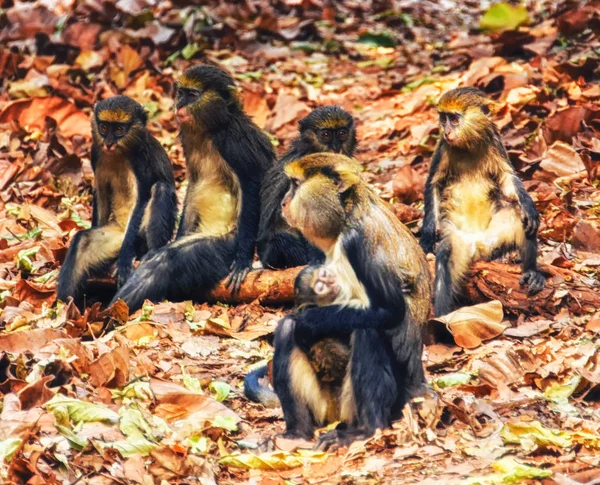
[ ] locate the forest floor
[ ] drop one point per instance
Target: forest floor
(157, 396)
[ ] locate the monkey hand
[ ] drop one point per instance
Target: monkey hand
(427, 240)
(531, 219)
(123, 273)
(238, 274)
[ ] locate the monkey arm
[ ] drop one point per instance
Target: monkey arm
(316, 323)
(127, 252)
(512, 187)
(94, 210)
(428, 229)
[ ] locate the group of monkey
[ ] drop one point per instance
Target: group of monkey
(352, 349)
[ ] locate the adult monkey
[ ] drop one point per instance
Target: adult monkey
(134, 208)
(384, 283)
(474, 201)
(227, 156)
(325, 129)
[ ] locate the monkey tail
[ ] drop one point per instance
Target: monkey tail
(186, 269)
(256, 392)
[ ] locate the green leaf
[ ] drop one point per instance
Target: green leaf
(532, 434)
(228, 423)
(190, 382)
(80, 411)
(559, 393)
(46, 277)
(131, 447)
(200, 445)
(220, 389)
(136, 390)
(189, 51)
(24, 262)
(8, 447)
(503, 16)
(372, 39)
(77, 442)
(451, 380)
(509, 471)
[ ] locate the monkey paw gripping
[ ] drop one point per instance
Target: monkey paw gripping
(535, 280)
(238, 274)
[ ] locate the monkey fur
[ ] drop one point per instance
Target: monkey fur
(227, 156)
(134, 207)
(382, 299)
(325, 129)
(474, 202)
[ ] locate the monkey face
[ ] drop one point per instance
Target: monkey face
(329, 129)
(202, 88)
(321, 188)
(464, 121)
(116, 122)
(112, 134)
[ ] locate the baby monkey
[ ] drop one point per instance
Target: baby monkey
(474, 202)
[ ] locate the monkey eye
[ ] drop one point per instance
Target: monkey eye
(325, 135)
(103, 128)
(342, 134)
(120, 130)
(454, 118)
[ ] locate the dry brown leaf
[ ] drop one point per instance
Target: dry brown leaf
(31, 114)
(471, 325)
(561, 159)
(287, 109)
(29, 340)
(111, 369)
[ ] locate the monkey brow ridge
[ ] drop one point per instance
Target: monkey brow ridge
(189, 82)
(114, 115)
(333, 123)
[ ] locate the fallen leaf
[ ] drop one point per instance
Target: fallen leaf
(471, 325)
(31, 114)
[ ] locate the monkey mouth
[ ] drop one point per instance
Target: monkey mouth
(110, 148)
(183, 116)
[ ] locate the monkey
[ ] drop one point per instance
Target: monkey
(325, 129)
(314, 286)
(381, 305)
(474, 201)
(134, 203)
(227, 156)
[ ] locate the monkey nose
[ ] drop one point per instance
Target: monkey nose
(110, 147)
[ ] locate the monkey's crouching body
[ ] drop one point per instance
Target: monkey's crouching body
(226, 156)
(325, 129)
(474, 202)
(134, 204)
(357, 358)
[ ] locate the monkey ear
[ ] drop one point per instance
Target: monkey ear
(346, 181)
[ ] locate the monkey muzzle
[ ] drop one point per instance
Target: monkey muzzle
(110, 146)
(183, 116)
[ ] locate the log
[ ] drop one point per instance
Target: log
(489, 281)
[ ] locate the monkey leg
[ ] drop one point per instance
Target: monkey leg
(371, 393)
(505, 233)
(531, 274)
(91, 251)
(160, 215)
(302, 400)
(188, 268)
(285, 250)
(444, 286)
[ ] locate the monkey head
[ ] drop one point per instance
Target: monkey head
(117, 123)
(464, 118)
(329, 129)
(202, 93)
(322, 187)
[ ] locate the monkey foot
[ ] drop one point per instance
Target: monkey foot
(333, 440)
(325, 284)
(535, 280)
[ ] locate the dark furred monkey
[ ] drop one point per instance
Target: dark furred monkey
(325, 129)
(474, 201)
(226, 156)
(134, 205)
(380, 305)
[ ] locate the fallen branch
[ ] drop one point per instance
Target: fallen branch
(489, 281)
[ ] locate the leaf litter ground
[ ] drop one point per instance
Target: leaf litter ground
(106, 397)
